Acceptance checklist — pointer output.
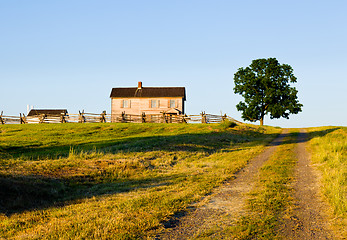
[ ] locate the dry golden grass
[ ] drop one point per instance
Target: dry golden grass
(329, 154)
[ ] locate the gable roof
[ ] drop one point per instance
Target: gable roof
(50, 112)
(148, 92)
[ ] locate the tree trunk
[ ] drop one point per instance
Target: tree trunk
(262, 118)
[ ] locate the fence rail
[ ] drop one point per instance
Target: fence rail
(83, 117)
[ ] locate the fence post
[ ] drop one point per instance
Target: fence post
(62, 118)
(143, 117)
(102, 117)
(184, 120)
(123, 117)
(42, 118)
(203, 117)
(2, 120)
(81, 118)
(22, 119)
(224, 117)
(164, 118)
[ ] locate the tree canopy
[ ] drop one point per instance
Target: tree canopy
(265, 87)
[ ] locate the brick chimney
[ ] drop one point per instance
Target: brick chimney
(139, 86)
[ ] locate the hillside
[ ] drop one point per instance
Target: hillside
(113, 180)
(130, 181)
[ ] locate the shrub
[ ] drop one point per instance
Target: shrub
(228, 124)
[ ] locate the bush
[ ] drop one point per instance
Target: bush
(228, 124)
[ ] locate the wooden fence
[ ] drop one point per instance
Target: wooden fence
(83, 117)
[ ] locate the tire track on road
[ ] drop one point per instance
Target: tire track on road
(307, 221)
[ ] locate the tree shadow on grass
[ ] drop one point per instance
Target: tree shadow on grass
(23, 193)
(205, 142)
(321, 133)
(301, 137)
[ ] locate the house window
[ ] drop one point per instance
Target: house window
(172, 103)
(154, 103)
(126, 103)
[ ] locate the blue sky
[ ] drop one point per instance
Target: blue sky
(69, 54)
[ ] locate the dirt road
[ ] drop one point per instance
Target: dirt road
(228, 203)
(308, 220)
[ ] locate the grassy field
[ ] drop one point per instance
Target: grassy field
(113, 181)
(329, 154)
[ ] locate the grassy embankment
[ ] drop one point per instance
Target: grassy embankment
(329, 154)
(113, 181)
(271, 196)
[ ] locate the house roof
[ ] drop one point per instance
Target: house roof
(148, 92)
(50, 112)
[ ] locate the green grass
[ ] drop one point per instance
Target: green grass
(113, 181)
(329, 154)
(271, 196)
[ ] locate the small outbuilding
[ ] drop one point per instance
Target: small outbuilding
(147, 100)
(47, 112)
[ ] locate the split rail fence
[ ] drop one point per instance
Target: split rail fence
(83, 117)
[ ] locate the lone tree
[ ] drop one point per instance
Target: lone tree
(265, 88)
